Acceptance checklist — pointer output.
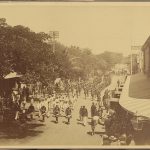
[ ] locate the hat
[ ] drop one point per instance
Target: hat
(112, 138)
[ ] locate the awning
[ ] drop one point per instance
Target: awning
(134, 105)
(12, 75)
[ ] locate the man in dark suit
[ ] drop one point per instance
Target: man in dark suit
(68, 114)
(93, 110)
(85, 115)
(56, 112)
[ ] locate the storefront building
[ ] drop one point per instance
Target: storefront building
(146, 57)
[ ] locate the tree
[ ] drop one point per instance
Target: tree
(111, 58)
(31, 54)
(24, 51)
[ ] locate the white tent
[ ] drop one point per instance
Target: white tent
(12, 75)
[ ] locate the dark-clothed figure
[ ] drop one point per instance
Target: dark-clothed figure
(118, 83)
(16, 109)
(85, 115)
(24, 92)
(68, 114)
(43, 112)
(93, 110)
(23, 116)
(108, 123)
(27, 93)
(31, 110)
(56, 113)
(81, 113)
(100, 112)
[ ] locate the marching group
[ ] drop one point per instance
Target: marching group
(62, 102)
(24, 101)
(59, 100)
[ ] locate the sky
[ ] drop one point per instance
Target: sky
(99, 27)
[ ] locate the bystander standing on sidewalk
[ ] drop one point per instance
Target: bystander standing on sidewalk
(93, 110)
(85, 115)
(81, 113)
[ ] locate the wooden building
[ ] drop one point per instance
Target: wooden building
(146, 57)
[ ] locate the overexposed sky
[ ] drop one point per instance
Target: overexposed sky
(89, 25)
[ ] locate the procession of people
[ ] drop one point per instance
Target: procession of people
(58, 100)
(63, 93)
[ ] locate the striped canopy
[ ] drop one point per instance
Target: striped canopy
(140, 107)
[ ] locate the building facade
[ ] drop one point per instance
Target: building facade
(136, 59)
(146, 57)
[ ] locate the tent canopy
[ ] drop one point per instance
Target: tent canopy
(12, 75)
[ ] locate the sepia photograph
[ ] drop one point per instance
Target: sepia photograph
(74, 75)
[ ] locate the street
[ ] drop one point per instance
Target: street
(49, 133)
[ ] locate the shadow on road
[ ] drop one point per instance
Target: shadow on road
(15, 131)
(98, 133)
(89, 133)
(89, 123)
(53, 121)
(65, 122)
(80, 123)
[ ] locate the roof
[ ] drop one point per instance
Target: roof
(147, 42)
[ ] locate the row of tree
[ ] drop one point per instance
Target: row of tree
(31, 54)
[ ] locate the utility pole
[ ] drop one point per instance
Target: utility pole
(53, 36)
(131, 63)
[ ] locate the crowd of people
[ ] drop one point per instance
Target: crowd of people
(118, 126)
(26, 99)
(59, 100)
